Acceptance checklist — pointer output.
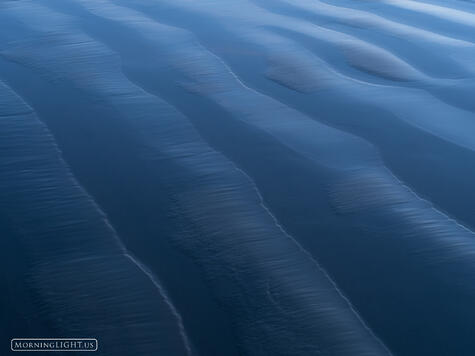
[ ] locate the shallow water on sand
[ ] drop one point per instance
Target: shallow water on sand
(252, 177)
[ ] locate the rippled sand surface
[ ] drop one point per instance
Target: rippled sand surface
(239, 177)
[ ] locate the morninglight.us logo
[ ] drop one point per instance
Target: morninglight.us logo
(50, 344)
